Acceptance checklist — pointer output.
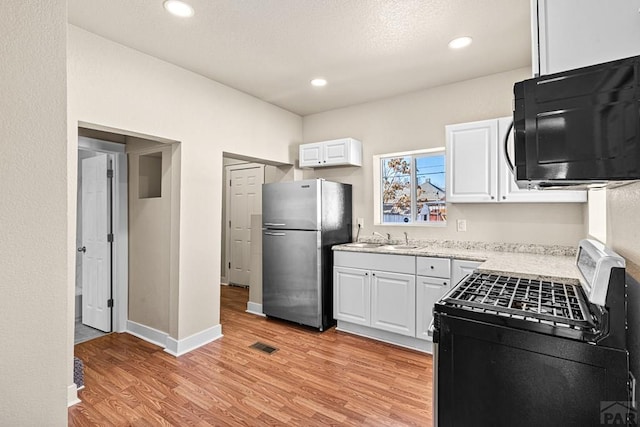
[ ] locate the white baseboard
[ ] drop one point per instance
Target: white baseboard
(147, 333)
(171, 345)
(385, 336)
(179, 347)
(255, 308)
(72, 395)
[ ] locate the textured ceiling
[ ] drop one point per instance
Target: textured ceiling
(366, 49)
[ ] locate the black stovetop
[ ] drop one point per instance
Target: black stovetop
(542, 306)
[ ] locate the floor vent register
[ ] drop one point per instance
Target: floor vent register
(264, 347)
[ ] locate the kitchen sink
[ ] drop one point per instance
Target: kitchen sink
(398, 247)
(364, 245)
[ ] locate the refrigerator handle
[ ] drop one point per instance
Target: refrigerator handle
(269, 233)
(273, 224)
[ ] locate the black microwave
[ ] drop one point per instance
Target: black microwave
(578, 127)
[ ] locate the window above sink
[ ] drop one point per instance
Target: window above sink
(409, 188)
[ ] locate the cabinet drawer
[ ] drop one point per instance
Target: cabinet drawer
(434, 267)
(368, 261)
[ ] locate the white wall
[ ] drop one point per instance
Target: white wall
(623, 224)
(33, 252)
(416, 121)
(120, 88)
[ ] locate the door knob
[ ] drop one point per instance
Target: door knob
(82, 249)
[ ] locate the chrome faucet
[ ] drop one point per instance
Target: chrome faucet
(406, 238)
(388, 237)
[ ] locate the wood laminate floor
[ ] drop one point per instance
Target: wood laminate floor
(313, 379)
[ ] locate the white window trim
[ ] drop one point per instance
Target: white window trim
(377, 211)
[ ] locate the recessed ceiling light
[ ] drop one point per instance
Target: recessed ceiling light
(178, 8)
(318, 82)
(460, 42)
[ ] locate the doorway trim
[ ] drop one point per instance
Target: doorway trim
(227, 217)
(120, 229)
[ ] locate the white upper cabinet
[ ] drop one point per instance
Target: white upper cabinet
(336, 152)
(478, 171)
(571, 34)
(471, 162)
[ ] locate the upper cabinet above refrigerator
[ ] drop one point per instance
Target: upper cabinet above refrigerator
(336, 152)
(570, 34)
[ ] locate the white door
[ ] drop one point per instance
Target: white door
(393, 302)
(96, 259)
(245, 200)
(352, 295)
(336, 152)
(310, 155)
(461, 268)
(428, 291)
(472, 162)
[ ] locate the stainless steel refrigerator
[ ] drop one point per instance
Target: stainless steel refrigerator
(301, 221)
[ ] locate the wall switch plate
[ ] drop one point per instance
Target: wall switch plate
(461, 224)
(360, 222)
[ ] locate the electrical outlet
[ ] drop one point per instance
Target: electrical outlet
(360, 222)
(461, 224)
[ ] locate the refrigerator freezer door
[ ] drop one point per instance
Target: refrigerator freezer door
(292, 205)
(291, 286)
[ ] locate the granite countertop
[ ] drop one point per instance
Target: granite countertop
(541, 262)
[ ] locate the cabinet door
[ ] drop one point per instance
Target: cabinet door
(461, 268)
(352, 295)
(576, 33)
(428, 291)
(508, 189)
(393, 305)
(336, 152)
(311, 155)
(472, 162)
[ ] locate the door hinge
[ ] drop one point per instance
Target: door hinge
(229, 223)
(109, 173)
(229, 265)
(110, 237)
(229, 183)
(110, 303)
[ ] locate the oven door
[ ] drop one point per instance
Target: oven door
(490, 375)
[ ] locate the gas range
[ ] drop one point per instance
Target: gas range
(500, 340)
(561, 308)
(538, 305)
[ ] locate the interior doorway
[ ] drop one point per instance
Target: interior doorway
(241, 248)
(244, 199)
(100, 237)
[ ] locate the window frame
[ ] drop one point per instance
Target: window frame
(377, 187)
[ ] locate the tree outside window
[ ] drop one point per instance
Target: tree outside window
(413, 189)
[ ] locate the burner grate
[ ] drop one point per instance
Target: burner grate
(559, 303)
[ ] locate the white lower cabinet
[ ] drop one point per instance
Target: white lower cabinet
(428, 291)
(352, 295)
(431, 283)
(388, 297)
(393, 297)
(461, 268)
